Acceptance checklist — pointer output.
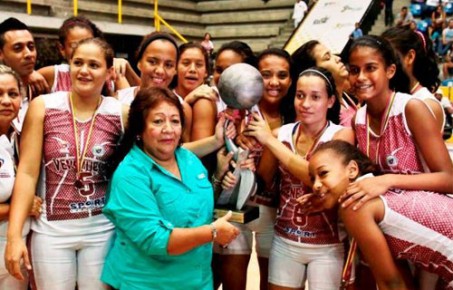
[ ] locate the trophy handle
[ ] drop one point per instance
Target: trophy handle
(229, 143)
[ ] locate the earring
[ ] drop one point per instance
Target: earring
(138, 138)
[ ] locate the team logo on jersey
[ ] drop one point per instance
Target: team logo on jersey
(391, 159)
(64, 145)
(98, 150)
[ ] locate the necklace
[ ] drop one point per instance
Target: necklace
(382, 125)
(315, 140)
(80, 158)
(415, 88)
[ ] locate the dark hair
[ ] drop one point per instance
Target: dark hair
(400, 81)
(9, 25)
(333, 114)
(241, 48)
(108, 51)
(425, 68)
(78, 21)
(287, 104)
(303, 57)
(347, 153)
(145, 100)
(182, 48)
(149, 38)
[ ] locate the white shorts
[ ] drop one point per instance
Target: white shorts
(6, 280)
(263, 228)
(292, 263)
(60, 262)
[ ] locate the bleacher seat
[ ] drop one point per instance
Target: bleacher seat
(416, 9)
(448, 8)
(422, 25)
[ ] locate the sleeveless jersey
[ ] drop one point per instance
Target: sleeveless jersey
(62, 78)
(424, 94)
(318, 228)
(418, 226)
(395, 150)
(269, 197)
(68, 209)
(7, 177)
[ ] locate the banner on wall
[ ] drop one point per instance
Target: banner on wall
(331, 22)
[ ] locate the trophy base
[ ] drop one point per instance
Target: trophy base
(243, 216)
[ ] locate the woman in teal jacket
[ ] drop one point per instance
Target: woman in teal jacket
(161, 202)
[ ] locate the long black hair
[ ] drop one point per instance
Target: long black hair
(400, 81)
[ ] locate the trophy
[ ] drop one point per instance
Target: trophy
(240, 87)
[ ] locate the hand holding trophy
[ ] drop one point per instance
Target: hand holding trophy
(240, 87)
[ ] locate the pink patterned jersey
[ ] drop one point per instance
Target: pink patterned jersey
(62, 79)
(418, 226)
(267, 198)
(317, 228)
(63, 201)
(394, 150)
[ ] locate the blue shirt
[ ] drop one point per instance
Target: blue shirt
(145, 202)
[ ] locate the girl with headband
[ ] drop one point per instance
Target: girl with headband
(419, 63)
(314, 53)
(305, 247)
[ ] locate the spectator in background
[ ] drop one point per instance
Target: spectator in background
(300, 8)
(413, 25)
(18, 51)
(447, 39)
(388, 12)
(447, 67)
(404, 18)
(444, 101)
(357, 33)
(207, 43)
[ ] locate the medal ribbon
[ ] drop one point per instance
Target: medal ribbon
(383, 125)
(81, 158)
(415, 88)
(347, 269)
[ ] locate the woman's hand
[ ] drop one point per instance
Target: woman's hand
(311, 203)
(245, 142)
(226, 232)
(223, 163)
(15, 251)
(259, 129)
(363, 190)
(220, 131)
(36, 207)
(202, 92)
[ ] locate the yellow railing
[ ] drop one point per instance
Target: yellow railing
(157, 18)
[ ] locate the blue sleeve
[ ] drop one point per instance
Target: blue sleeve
(133, 209)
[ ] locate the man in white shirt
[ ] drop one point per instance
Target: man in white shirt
(300, 8)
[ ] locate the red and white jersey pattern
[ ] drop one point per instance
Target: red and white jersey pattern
(62, 79)
(318, 228)
(267, 198)
(418, 226)
(394, 150)
(62, 199)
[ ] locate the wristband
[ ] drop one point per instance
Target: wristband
(213, 231)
